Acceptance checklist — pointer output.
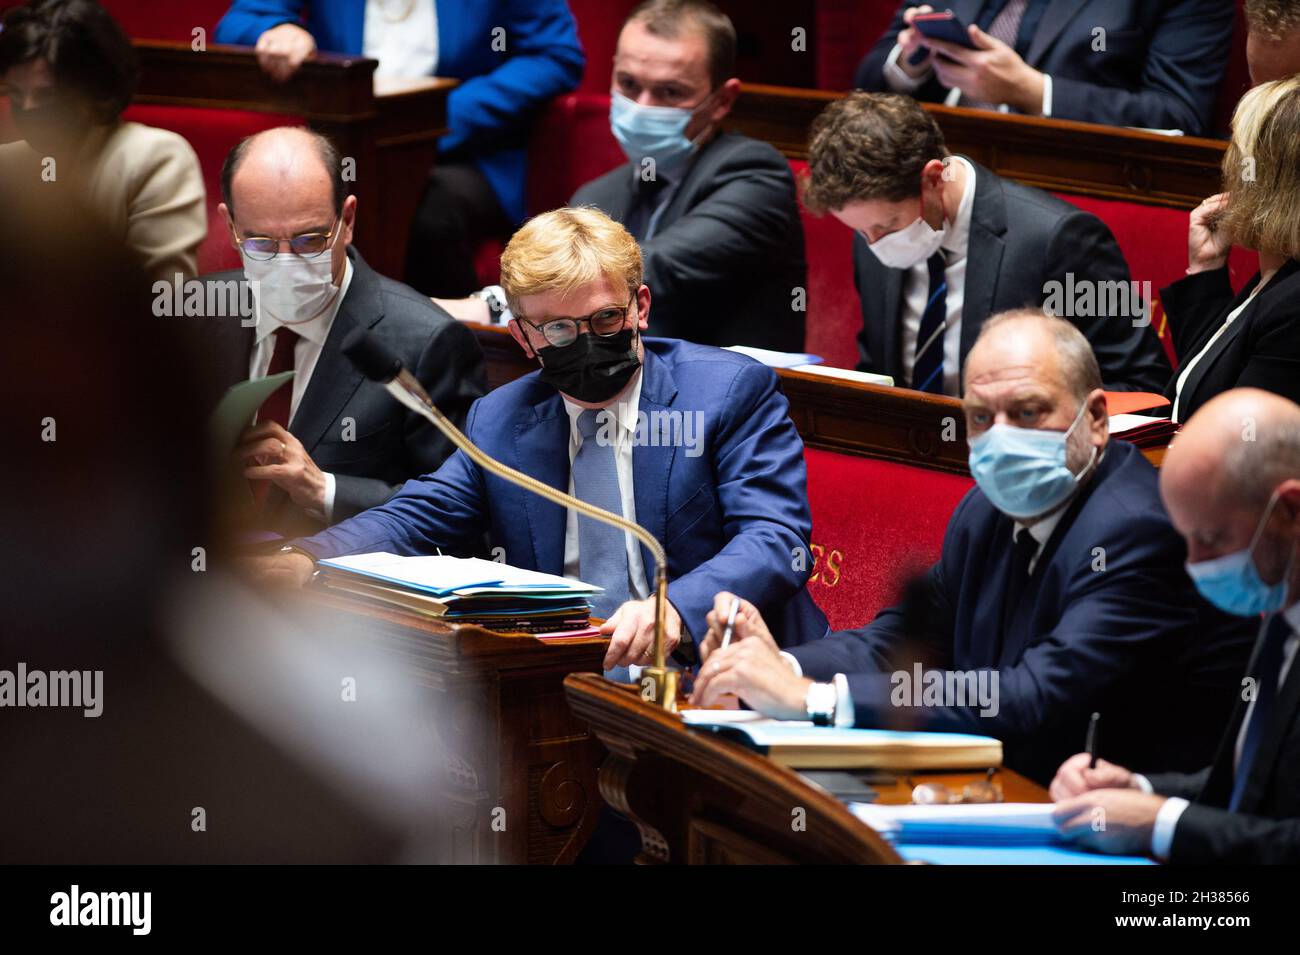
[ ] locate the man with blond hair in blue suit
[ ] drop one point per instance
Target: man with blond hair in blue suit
(692, 442)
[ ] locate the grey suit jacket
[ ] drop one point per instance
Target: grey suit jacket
(1020, 239)
(383, 444)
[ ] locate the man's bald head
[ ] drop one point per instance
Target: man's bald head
(288, 182)
(290, 158)
(1223, 468)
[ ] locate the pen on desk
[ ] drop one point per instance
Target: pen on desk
(731, 622)
(1091, 746)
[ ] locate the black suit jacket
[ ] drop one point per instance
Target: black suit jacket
(1261, 349)
(1109, 621)
(1162, 66)
(389, 444)
(727, 255)
(1020, 239)
(1266, 827)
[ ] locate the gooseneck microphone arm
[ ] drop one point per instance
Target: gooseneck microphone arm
(378, 364)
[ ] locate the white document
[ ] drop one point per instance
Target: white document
(775, 359)
(460, 575)
(996, 819)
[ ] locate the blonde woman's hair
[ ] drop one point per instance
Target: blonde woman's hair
(1261, 169)
(566, 249)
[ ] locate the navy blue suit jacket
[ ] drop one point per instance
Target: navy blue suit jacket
(731, 517)
(489, 113)
(1162, 66)
(1132, 641)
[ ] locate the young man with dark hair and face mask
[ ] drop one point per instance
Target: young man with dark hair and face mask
(943, 243)
(694, 443)
(1059, 592)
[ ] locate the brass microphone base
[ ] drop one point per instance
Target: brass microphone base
(659, 686)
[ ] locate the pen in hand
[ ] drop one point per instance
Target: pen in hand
(1091, 745)
(731, 622)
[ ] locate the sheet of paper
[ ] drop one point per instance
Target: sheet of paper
(235, 410)
(776, 359)
(846, 374)
(464, 576)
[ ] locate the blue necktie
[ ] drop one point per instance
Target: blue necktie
(927, 369)
(1267, 667)
(602, 549)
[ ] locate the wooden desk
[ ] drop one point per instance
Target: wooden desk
(1054, 154)
(389, 128)
(699, 799)
(512, 743)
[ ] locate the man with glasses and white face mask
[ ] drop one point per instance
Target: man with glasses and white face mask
(1231, 482)
(328, 444)
(1060, 575)
(943, 243)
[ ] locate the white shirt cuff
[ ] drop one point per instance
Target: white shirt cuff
(897, 79)
(1142, 783)
(793, 663)
(1162, 833)
(330, 485)
(843, 701)
(1047, 95)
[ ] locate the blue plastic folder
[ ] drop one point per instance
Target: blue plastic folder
(1012, 855)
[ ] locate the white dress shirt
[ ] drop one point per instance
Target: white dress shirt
(625, 411)
(916, 291)
(897, 79)
(311, 339)
(403, 36)
(1232, 317)
(1162, 833)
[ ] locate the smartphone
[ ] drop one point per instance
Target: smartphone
(944, 26)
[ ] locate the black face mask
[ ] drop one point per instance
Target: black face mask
(591, 369)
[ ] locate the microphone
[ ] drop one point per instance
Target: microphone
(379, 364)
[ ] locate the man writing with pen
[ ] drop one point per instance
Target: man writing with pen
(1060, 573)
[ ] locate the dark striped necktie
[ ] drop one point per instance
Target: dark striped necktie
(927, 368)
(1005, 27)
(1268, 666)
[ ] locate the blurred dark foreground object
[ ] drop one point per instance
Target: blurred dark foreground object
(234, 728)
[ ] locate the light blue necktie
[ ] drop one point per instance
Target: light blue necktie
(602, 551)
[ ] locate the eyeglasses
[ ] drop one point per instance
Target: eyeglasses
(978, 791)
(604, 323)
(307, 246)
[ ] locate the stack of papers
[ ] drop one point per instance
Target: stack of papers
(485, 593)
(964, 824)
(801, 745)
(776, 359)
(1143, 430)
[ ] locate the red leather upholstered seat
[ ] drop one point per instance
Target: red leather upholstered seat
(876, 524)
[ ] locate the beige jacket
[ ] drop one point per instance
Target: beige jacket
(144, 182)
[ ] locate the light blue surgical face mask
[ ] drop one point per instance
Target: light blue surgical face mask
(1232, 583)
(1023, 471)
(656, 132)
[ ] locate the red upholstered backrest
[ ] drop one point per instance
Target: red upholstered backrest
(571, 145)
(846, 30)
(834, 313)
(212, 133)
(598, 25)
(166, 19)
(1154, 242)
(876, 525)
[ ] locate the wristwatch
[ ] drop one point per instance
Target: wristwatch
(820, 704)
(295, 549)
(494, 297)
